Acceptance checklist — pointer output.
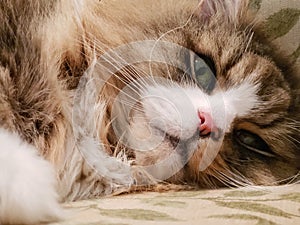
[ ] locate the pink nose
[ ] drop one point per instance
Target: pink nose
(207, 125)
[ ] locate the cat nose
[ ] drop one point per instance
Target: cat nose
(207, 125)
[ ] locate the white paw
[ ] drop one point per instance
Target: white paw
(27, 184)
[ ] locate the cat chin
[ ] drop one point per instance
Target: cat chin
(27, 184)
(168, 160)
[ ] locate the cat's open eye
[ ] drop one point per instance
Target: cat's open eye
(202, 71)
(253, 143)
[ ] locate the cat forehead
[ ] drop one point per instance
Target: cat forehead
(233, 49)
(222, 42)
(274, 92)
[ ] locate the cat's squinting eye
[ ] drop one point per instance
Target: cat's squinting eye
(202, 71)
(253, 143)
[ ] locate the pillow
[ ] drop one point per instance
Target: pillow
(282, 24)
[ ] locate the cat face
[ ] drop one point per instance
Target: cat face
(224, 114)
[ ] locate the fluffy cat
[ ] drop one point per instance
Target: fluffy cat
(98, 95)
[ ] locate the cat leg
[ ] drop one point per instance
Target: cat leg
(27, 184)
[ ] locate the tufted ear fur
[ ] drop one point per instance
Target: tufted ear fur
(229, 10)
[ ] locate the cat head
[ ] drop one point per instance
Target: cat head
(217, 106)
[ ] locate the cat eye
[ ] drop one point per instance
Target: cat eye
(203, 71)
(253, 143)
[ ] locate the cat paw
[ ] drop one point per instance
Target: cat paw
(27, 184)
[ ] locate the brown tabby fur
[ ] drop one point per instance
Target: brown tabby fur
(47, 45)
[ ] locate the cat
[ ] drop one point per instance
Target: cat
(101, 95)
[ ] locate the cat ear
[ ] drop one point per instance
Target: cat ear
(230, 10)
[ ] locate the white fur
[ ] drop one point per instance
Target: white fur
(178, 107)
(27, 184)
(170, 109)
(87, 115)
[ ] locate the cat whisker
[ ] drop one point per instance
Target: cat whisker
(128, 76)
(294, 122)
(227, 181)
(291, 139)
(240, 176)
(224, 180)
(124, 63)
(290, 180)
(208, 181)
(120, 90)
(249, 42)
(133, 107)
(112, 60)
(237, 179)
(291, 127)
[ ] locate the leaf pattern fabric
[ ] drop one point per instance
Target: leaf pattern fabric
(252, 205)
(282, 24)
